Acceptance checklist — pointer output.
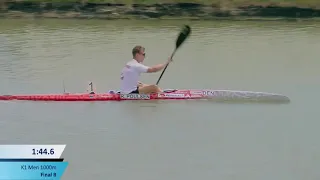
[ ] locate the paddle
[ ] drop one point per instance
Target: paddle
(184, 34)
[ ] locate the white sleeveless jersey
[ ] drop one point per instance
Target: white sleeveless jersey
(130, 76)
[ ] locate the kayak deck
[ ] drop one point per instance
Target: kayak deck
(166, 95)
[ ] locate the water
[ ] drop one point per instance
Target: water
(167, 140)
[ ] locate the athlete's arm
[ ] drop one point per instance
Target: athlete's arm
(158, 67)
(145, 69)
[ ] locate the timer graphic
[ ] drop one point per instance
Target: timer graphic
(30, 162)
(43, 151)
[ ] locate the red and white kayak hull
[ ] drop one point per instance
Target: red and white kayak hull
(176, 95)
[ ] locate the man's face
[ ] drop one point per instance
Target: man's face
(141, 55)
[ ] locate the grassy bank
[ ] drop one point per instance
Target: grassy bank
(234, 3)
(163, 9)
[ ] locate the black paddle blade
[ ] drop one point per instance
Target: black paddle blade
(185, 32)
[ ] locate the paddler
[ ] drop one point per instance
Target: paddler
(130, 74)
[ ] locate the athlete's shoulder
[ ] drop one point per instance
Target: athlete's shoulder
(133, 64)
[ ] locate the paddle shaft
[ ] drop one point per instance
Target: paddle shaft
(166, 67)
(181, 38)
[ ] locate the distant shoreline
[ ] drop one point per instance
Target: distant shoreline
(192, 11)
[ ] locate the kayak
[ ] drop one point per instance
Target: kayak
(168, 94)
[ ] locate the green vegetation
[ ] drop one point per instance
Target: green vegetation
(124, 9)
(297, 3)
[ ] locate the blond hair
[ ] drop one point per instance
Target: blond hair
(137, 49)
